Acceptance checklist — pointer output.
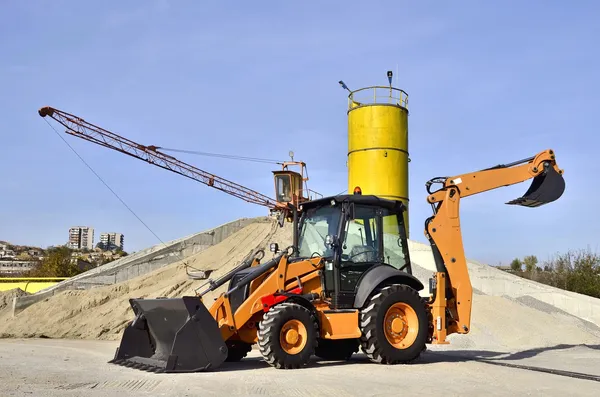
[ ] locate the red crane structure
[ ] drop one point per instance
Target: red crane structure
(288, 184)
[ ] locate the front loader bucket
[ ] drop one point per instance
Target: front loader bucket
(171, 335)
(545, 188)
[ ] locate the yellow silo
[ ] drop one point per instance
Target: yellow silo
(378, 142)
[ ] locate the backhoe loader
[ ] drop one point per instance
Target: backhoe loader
(344, 284)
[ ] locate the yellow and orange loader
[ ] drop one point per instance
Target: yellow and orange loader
(345, 284)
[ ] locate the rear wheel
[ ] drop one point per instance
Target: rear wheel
(394, 325)
(287, 335)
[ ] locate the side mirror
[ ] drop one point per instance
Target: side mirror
(274, 248)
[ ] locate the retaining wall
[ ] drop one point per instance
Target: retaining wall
(141, 262)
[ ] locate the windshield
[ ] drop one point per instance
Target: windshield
(315, 225)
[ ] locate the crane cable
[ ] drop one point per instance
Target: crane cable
(232, 157)
(226, 156)
(117, 196)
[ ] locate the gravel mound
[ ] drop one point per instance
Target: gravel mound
(103, 312)
(507, 321)
(6, 297)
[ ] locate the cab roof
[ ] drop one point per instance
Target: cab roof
(366, 199)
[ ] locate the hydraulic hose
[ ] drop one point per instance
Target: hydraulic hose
(225, 278)
(259, 271)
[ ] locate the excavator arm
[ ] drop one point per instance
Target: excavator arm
(451, 299)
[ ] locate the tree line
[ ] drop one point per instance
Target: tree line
(576, 271)
(58, 263)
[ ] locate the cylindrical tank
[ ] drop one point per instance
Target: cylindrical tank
(378, 143)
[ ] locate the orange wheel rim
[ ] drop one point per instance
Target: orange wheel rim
(293, 336)
(401, 325)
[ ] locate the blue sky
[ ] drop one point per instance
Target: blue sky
(489, 83)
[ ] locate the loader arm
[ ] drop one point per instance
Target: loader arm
(276, 277)
(451, 301)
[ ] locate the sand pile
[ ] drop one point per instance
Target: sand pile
(507, 324)
(6, 297)
(512, 323)
(500, 322)
(506, 315)
(102, 313)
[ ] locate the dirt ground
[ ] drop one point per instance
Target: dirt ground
(42, 367)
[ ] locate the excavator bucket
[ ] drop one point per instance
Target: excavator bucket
(545, 188)
(171, 335)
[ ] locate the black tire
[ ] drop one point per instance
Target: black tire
(373, 340)
(269, 330)
(332, 349)
(237, 350)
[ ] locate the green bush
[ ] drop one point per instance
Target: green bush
(516, 265)
(576, 271)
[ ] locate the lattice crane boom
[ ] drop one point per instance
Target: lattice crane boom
(80, 128)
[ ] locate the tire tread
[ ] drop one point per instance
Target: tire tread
(268, 336)
(370, 344)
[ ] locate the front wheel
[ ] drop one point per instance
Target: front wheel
(287, 335)
(394, 325)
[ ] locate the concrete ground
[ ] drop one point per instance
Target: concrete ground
(48, 367)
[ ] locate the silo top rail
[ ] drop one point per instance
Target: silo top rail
(378, 95)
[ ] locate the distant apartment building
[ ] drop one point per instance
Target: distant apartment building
(81, 237)
(15, 267)
(112, 241)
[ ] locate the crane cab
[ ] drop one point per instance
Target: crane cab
(290, 186)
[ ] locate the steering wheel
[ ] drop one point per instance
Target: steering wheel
(347, 257)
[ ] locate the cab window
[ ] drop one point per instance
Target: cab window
(283, 188)
(393, 239)
(361, 243)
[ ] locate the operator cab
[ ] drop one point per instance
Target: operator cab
(354, 233)
(288, 187)
(291, 186)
